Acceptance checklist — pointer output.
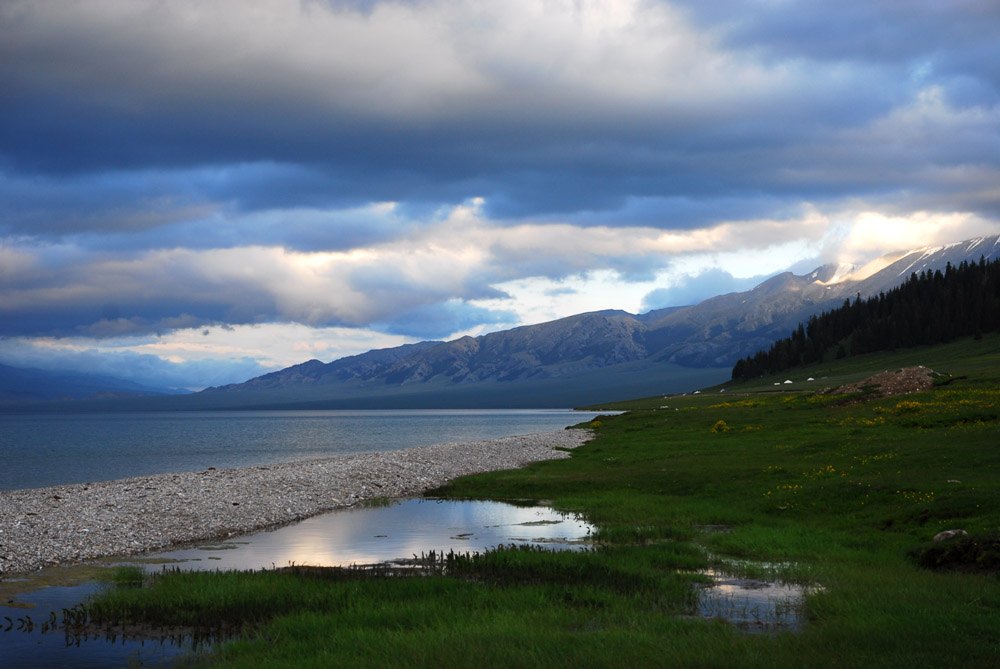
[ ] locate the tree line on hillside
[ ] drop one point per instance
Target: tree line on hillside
(929, 308)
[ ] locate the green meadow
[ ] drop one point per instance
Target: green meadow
(798, 486)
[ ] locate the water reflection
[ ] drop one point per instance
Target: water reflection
(351, 536)
(751, 605)
(34, 640)
(370, 535)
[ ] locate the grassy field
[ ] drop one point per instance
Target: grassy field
(796, 486)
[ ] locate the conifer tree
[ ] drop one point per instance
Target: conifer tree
(929, 308)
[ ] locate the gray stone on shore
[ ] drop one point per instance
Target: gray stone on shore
(63, 524)
(949, 534)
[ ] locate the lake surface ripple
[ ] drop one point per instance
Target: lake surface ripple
(41, 450)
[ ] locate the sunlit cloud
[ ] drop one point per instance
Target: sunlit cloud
(194, 358)
(871, 234)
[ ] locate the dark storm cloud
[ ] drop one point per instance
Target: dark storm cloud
(683, 212)
(295, 229)
(879, 31)
(127, 129)
(77, 108)
(67, 313)
(123, 202)
(200, 208)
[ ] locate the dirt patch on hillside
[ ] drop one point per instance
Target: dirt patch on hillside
(899, 382)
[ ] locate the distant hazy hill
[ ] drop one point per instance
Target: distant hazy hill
(27, 385)
(600, 355)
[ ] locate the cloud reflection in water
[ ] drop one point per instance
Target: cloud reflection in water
(383, 534)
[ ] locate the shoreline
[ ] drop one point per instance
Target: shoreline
(42, 527)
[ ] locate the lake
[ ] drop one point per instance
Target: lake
(40, 450)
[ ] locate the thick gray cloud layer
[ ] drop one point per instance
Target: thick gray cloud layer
(168, 165)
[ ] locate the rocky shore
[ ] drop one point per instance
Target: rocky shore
(64, 524)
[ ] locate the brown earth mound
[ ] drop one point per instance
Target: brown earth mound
(899, 382)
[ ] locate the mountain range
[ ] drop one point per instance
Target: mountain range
(585, 358)
(27, 384)
(582, 356)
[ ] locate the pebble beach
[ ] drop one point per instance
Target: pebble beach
(41, 527)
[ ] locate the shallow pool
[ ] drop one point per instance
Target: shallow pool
(369, 535)
(397, 531)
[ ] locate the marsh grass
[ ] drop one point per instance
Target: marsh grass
(126, 576)
(377, 502)
(17, 592)
(806, 489)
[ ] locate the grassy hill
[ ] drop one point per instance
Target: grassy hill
(979, 360)
(792, 486)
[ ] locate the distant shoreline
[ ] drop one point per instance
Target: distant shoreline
(42, 451)
(41, 527)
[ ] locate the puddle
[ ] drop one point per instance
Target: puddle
(35, 638)
(391, 535)
(385, 534)
(753, 606)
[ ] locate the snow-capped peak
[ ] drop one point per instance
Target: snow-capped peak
(830, 274)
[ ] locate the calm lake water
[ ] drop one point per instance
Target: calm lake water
(41, 450)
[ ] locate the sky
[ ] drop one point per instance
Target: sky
(194, 193)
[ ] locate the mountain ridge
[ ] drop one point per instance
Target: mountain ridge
(28, 384)
(711, 334)
(925, 310)
(577, 360)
